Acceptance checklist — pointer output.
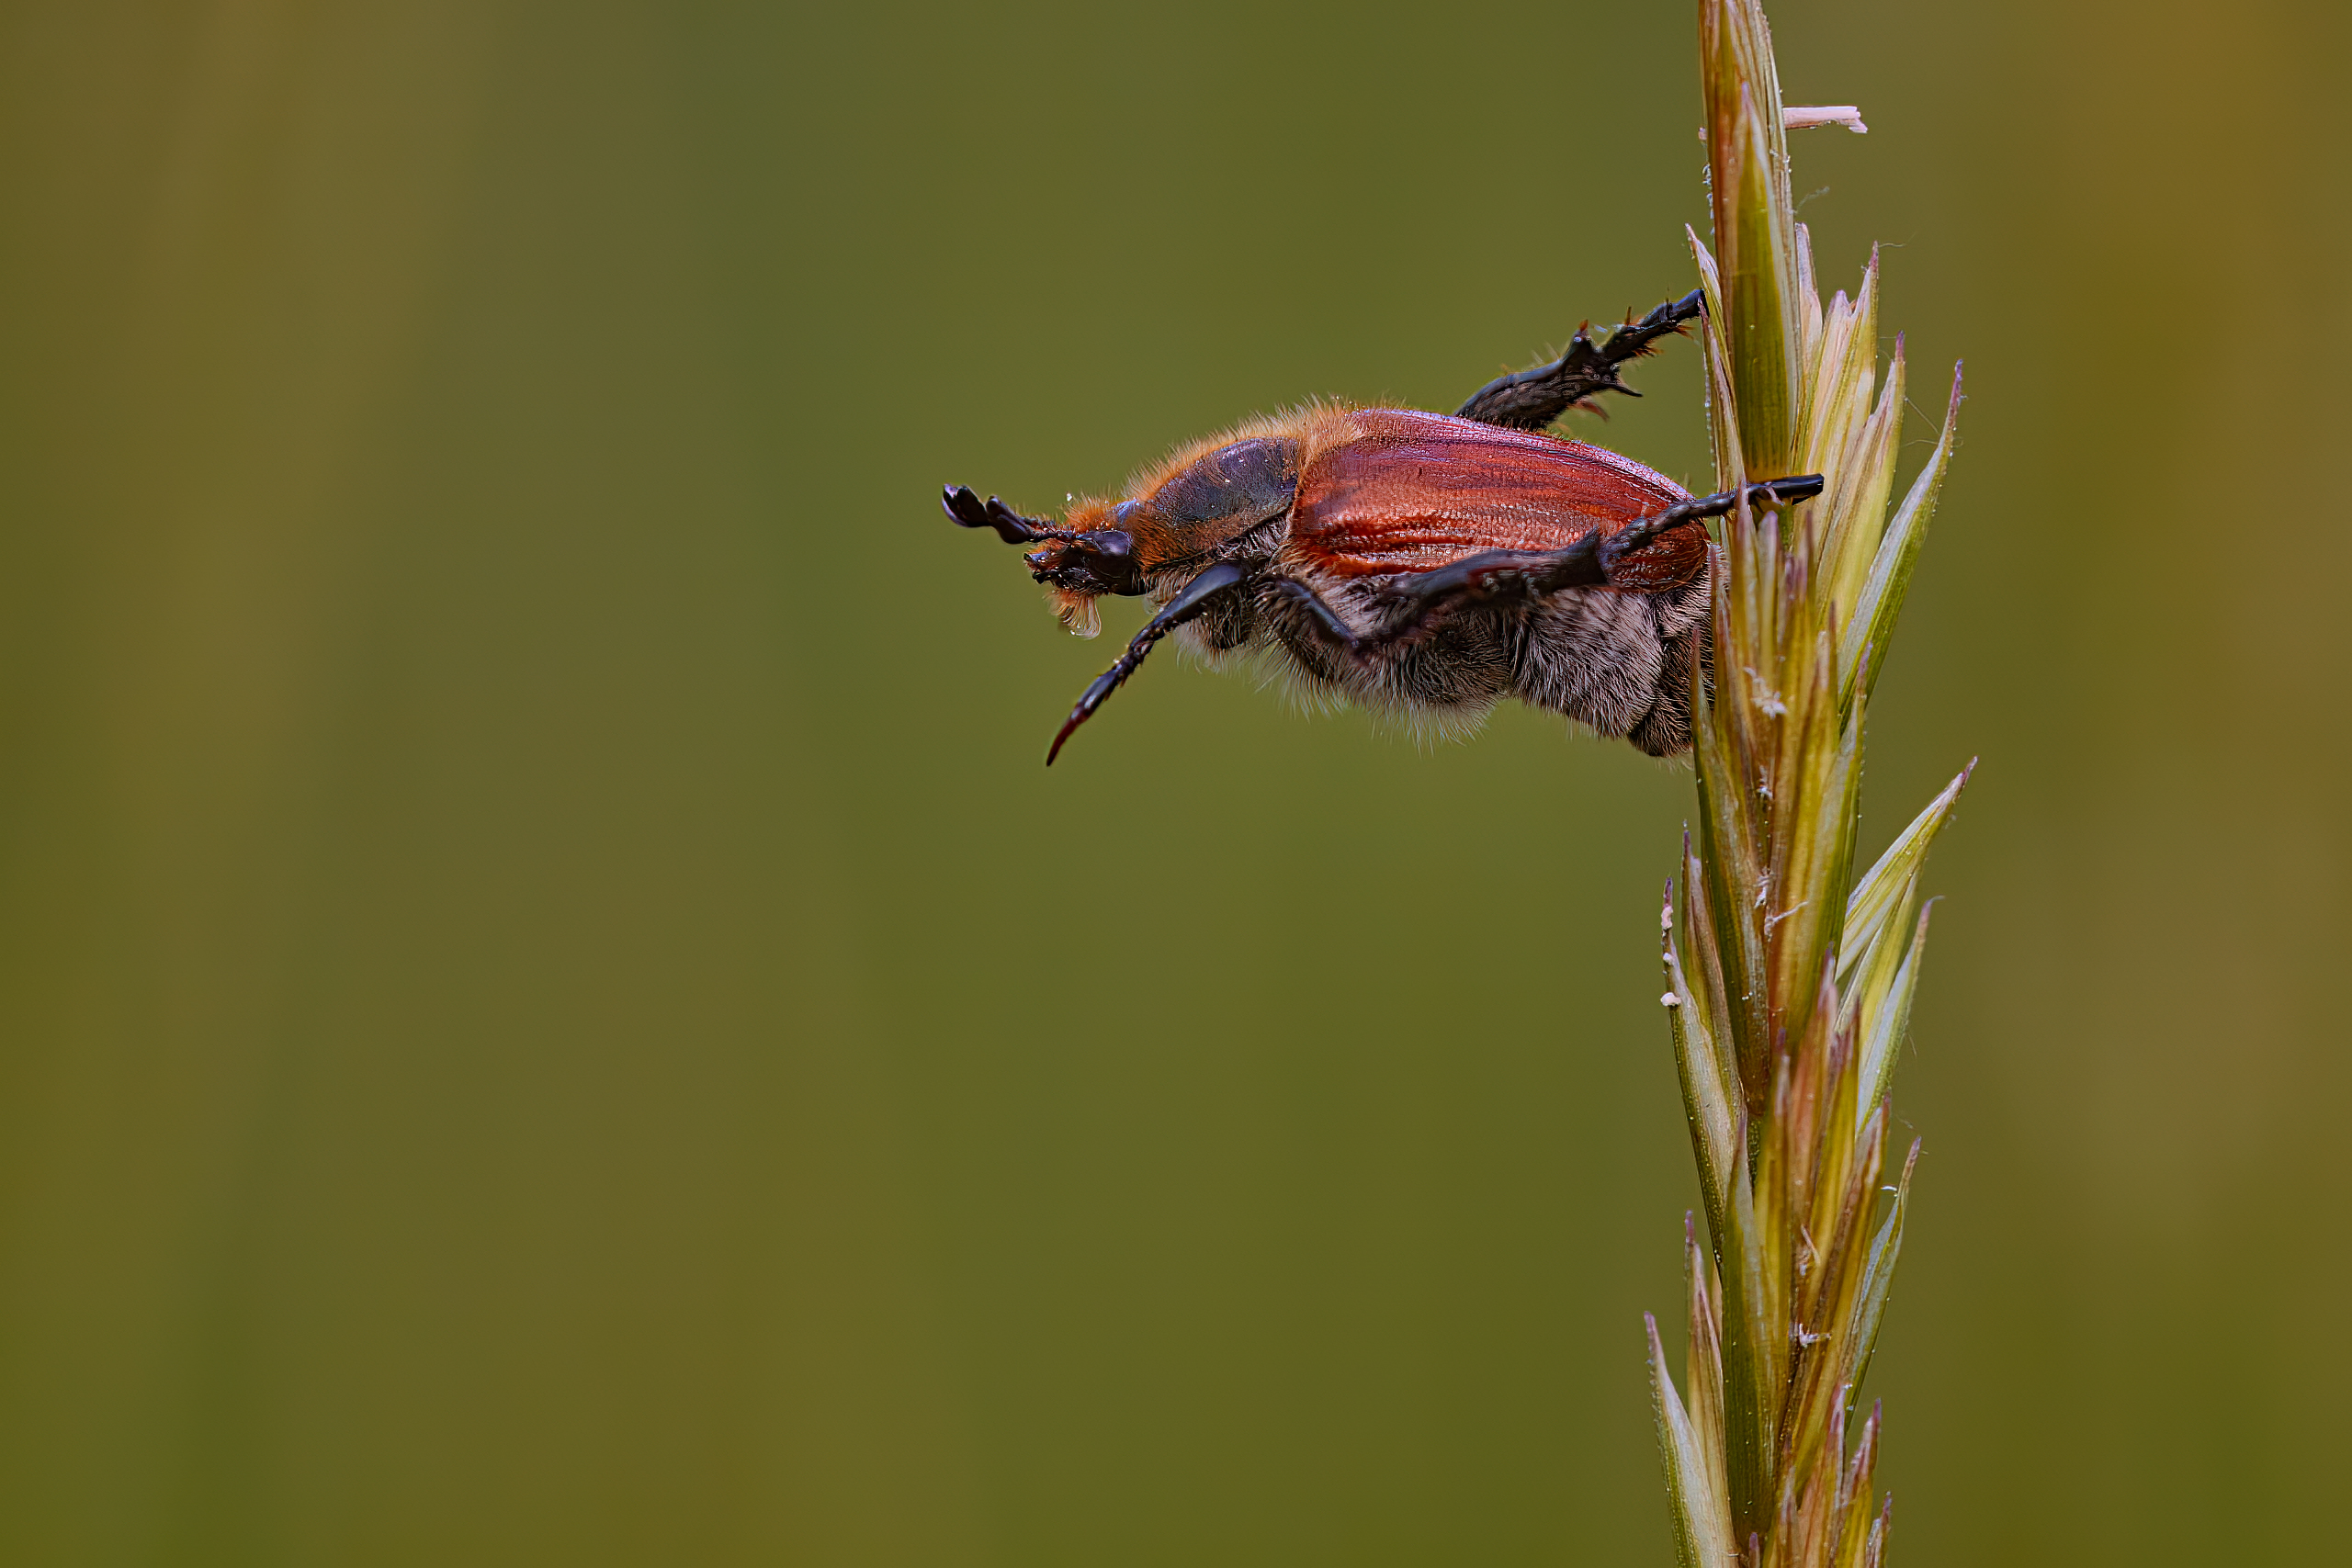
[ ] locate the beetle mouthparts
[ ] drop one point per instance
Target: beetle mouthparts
(1102, 561)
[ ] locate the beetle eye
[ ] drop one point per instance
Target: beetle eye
(1111, 563)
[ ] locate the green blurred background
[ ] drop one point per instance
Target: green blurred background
(549, 1013)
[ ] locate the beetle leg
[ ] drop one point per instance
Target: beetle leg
(1531, 399)
(1318, 609)
(1634, 535)
(1197, 598)
(1426, 599)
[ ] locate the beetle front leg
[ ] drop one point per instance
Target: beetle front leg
(1199, 596)
(1533, 399)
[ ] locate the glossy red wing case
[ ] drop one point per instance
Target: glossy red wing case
(1419, 490)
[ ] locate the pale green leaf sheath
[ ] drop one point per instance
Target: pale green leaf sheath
(1790, 980)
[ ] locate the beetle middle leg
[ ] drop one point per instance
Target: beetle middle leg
(1465, 664)
(1424, 601)
(1533, 399)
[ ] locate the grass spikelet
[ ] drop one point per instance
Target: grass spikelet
(1790, 977)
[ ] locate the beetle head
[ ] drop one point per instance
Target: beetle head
(1081, 562)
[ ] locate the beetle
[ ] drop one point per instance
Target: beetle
(1423, 562)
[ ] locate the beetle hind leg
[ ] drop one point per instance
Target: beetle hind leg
(1533, 399)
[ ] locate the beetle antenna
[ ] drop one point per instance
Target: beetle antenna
(967, 510)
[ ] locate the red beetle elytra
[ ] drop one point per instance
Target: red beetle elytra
(1433, 563)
